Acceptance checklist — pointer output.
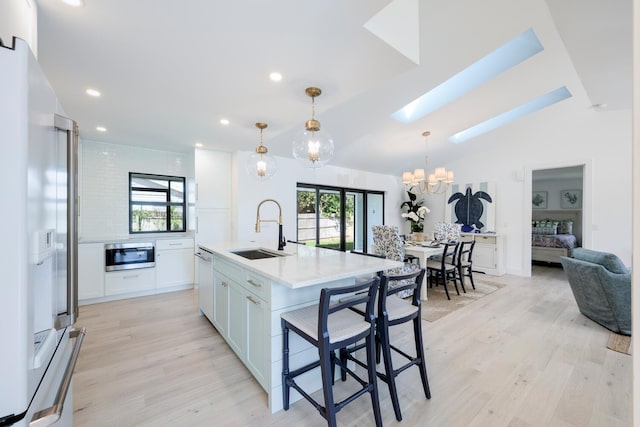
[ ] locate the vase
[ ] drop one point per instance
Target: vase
(418, 236)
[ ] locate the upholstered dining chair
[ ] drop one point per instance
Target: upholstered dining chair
(388, 243)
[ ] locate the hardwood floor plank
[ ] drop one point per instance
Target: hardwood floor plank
(521, 356)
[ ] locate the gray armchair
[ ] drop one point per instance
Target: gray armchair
(601, 285)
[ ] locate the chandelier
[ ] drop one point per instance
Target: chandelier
(435, 183)
(261, 165)
(313, 146)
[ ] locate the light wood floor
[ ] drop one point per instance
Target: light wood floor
(522, 356)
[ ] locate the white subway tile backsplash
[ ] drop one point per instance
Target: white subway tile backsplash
(104, 183)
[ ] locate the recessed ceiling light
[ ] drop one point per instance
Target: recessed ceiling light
(101, 128)
(93, 92)
(275, 76)
(198, 144)
(224, 122)
(74, 3)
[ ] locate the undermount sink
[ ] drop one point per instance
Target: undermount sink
(257, 254)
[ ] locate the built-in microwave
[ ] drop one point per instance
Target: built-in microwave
(127, 256)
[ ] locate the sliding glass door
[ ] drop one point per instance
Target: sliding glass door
(337, 218)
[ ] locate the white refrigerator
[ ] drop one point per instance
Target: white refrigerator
(38, 284)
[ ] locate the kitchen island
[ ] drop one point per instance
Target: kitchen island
(250, 295)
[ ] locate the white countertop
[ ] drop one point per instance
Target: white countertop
(303, 265)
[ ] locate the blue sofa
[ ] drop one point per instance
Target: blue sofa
(601, 285)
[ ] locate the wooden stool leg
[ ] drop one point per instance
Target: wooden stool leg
(417, 332)
(285, 366)
(373, 379)
(327, 386)
(388, 368)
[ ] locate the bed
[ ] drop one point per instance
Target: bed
(554, 234)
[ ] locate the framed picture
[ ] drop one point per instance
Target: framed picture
(571, 199)
(539, 200)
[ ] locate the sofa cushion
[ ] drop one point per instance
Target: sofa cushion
(609, 261)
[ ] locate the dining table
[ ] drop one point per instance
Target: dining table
(423, 250)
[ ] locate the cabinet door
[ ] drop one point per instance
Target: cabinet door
(90, 270)
(174, 268)
(257, 336)
(237, 335)
(213, 179)
(221, 304)
(484, 256)
(213, 225)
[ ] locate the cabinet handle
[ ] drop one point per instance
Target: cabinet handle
(175, 244)
(130, 277)
(250, 298)
(256, 284)
(196, 191)
(224, 284)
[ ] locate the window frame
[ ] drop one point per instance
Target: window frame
(343, 191)
(167, 203)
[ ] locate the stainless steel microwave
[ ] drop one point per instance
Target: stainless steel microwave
(127, 256)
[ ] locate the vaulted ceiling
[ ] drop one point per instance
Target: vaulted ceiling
(169, 70)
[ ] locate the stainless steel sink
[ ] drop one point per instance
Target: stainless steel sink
(257, 253)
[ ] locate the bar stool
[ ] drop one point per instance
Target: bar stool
(329, 326)
(392, 311)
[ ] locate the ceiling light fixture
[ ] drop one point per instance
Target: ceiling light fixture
(74, 3)
(436, 183)
(275, 76)
(261, 165)
(93, 92)
(224, 122)
(312, 145)
(101, 128)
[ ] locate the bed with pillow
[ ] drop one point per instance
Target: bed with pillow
(554, 234)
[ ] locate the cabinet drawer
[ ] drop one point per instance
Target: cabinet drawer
(486, 240)
(174, 244)
(257, 284)
(121, 282)
(228, 269)
(466, 238)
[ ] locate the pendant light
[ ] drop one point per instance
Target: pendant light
(313, 146)
(261, 165)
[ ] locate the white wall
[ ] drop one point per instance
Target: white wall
(19, 18)
(282, 187)
(104, 183)
(555, 137)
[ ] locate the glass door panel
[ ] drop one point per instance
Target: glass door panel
(306, 206)
(329, 219)
(375, 216)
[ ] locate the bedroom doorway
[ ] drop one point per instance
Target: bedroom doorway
(559, 197)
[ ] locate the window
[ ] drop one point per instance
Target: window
(337, 218)
(156, 203)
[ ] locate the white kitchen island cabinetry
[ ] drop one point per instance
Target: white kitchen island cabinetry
(250, 295)
(90, 270)
(174, 264)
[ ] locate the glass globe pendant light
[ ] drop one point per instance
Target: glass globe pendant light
(261, 165)
(313, 146)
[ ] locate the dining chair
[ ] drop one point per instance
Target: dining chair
(465, 262)
(387, 243)
(444, 268)
(393, 311)
(330, 326)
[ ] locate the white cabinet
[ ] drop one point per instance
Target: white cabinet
(128, 281)
(488, 256)
(213, 225)
(242, 316)
(213, 179)
(174, 263)
(221, 304)
(90, 270)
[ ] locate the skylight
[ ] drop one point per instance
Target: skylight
(500, 60)
(529, 107)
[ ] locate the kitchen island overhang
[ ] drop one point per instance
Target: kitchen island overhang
(251, 294)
